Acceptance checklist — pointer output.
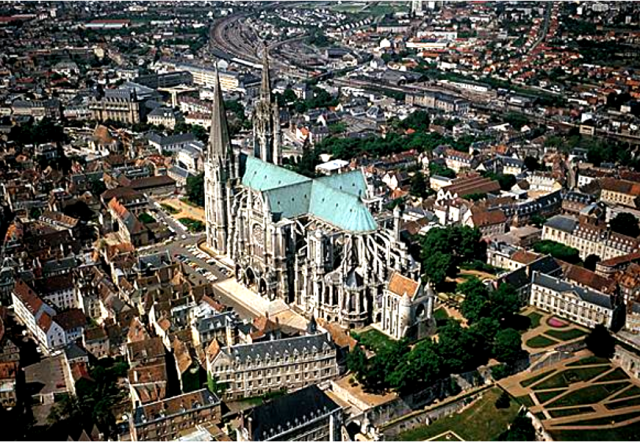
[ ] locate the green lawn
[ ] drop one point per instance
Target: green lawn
(589, 361)
(548, 395)
(532, 380)
(616, 374)
(193, 225)
(540, 342)
(145, 218)
(535, 318)
(623, 403)
(373, 340)
(566, 412)
(481, 421)
(440, 314)
(565, 378)
(622, 434)
(629, 392)
(169, 209)
(588, 395)
(526, 400)
(604, 420)
(565, 335)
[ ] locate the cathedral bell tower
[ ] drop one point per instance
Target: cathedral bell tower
(219, 175)
(266, 120)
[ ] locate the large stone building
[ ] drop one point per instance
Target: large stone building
(250, 370)
(121, 105)
(313, 242)
(407, 307)
(588, 238)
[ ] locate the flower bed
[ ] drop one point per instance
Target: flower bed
(557, 323)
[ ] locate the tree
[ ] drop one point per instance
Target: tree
(507, 346)
(557, 250)
(591, 261)
(476, 296)
(626, 224)
(600, 342)
(437, 266)
(531, 163)
(439, 170)
(521, 430)
(503, 401)
(357, 361)
(195, 189)
(504, 302)
(419, 186)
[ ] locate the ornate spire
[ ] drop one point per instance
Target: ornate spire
(219, 140)
(265, 91)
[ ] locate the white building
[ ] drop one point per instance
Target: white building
(583, 306)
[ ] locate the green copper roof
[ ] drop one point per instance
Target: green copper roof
(332, 199)
(351, 182)
(261, 176)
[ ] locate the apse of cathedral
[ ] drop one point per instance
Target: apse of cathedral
(322, 244)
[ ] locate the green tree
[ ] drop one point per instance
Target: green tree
(214, 386)
(419, 186)
(357, 361)
(557, 250)
(600, 342)
(504, 302)
(521, 430)
(195, 189)
(476, 298)
(507, 346)
(531, 163)
(503, 401)
(626, 224)
(437, 266)
(591, 261)
(439, 170)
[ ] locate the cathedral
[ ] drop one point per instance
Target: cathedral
(321, 244)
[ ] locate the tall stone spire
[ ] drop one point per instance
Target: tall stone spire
(266, 119)
(265, 88)
(219, 173)
(219, 139)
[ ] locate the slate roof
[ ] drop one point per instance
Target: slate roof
(562, 223)
(247, 352)
(588, 295)
(334, 200)
(285, 413)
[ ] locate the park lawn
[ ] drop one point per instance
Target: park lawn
(616, 374)
(532, 380)
(481, 421)
(565, 335)
(625, 433)
(526, 400)
(565, 378)
(593, 360)
(566, 412)
(535, 318)
(604, 420)
(623, 403)
(629, 392)
(588, 395)
(545, 396)
(540, 342)
(374, 340)
(193, 225)
(169, 209)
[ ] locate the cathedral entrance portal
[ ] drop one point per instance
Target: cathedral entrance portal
(262, 287)
(250, 278)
